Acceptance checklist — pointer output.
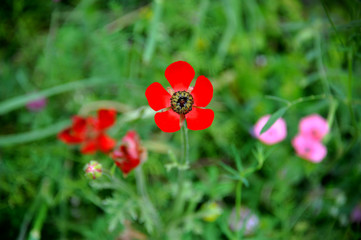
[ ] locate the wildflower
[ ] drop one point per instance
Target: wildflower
(246, 221)
(314, 126)
(276, 133)
(356, 214)
(36, 105)
(90, 132)
(130, 153)
(309, 148)
(212, 211)
(93, 170)
(181, 101)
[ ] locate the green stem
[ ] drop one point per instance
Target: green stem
(185, 145)
(330, 20)
(140, 182)
(153, 31)
(146, 205)
(321, 67)
(349, 101)
(238, 207)
(107, 104)
(35, 233)
(179, 204)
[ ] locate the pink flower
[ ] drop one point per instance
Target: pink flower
(36, 105)
(309, 148)
(314, 126)
(276, 133)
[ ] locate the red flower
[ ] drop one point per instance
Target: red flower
(130, 153)
(90, 132)
(181, 102)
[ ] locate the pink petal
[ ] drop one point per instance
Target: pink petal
(276, 133)
(308, 148)
(314, 126)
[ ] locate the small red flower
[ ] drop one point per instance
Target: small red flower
(181, 101)
(130, 153)
(90, 132)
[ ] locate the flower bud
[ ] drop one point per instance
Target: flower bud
(93, 170)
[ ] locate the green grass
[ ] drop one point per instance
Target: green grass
(288, 58)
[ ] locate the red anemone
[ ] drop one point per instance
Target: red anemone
(130, 153)
(90, 132)
(181, 101)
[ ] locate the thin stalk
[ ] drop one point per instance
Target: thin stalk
(151, 41)
(140, 182)
(238, 207)
(107, 104)
(321, 67)
(179, 204)
(331, 22)
(185, 145)
(147, 204)
(349, 100)
(35, 233)
(29, 216)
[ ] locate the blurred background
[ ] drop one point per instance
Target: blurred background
(64, 57)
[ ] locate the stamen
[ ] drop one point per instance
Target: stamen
(182, 102)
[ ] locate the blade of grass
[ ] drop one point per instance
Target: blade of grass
(231, 12)
(237, 158)
(17, 102)
(279, 113)
(153, 29)
(33, 135)
(229, 169)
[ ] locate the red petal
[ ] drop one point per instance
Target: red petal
(180, 75)
(158, 98)
(199, 119)
(167, 121)
(89, 147)
(106, 118)
(126, 166)
(67, 136)
(202, 92)
(105, 143)
(79, 125)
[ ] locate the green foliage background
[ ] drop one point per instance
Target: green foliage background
(77, 53)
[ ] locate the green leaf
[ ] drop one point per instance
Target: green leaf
(16, 102)
(278, 99)
(245, 181)
(228, 168)
(279, 113)
(237, 158)
(33, 135)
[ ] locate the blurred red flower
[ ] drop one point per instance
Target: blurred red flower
(90, 132)
(130, 153)
(181, 101)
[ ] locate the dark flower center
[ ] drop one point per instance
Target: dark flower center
(182, 102)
